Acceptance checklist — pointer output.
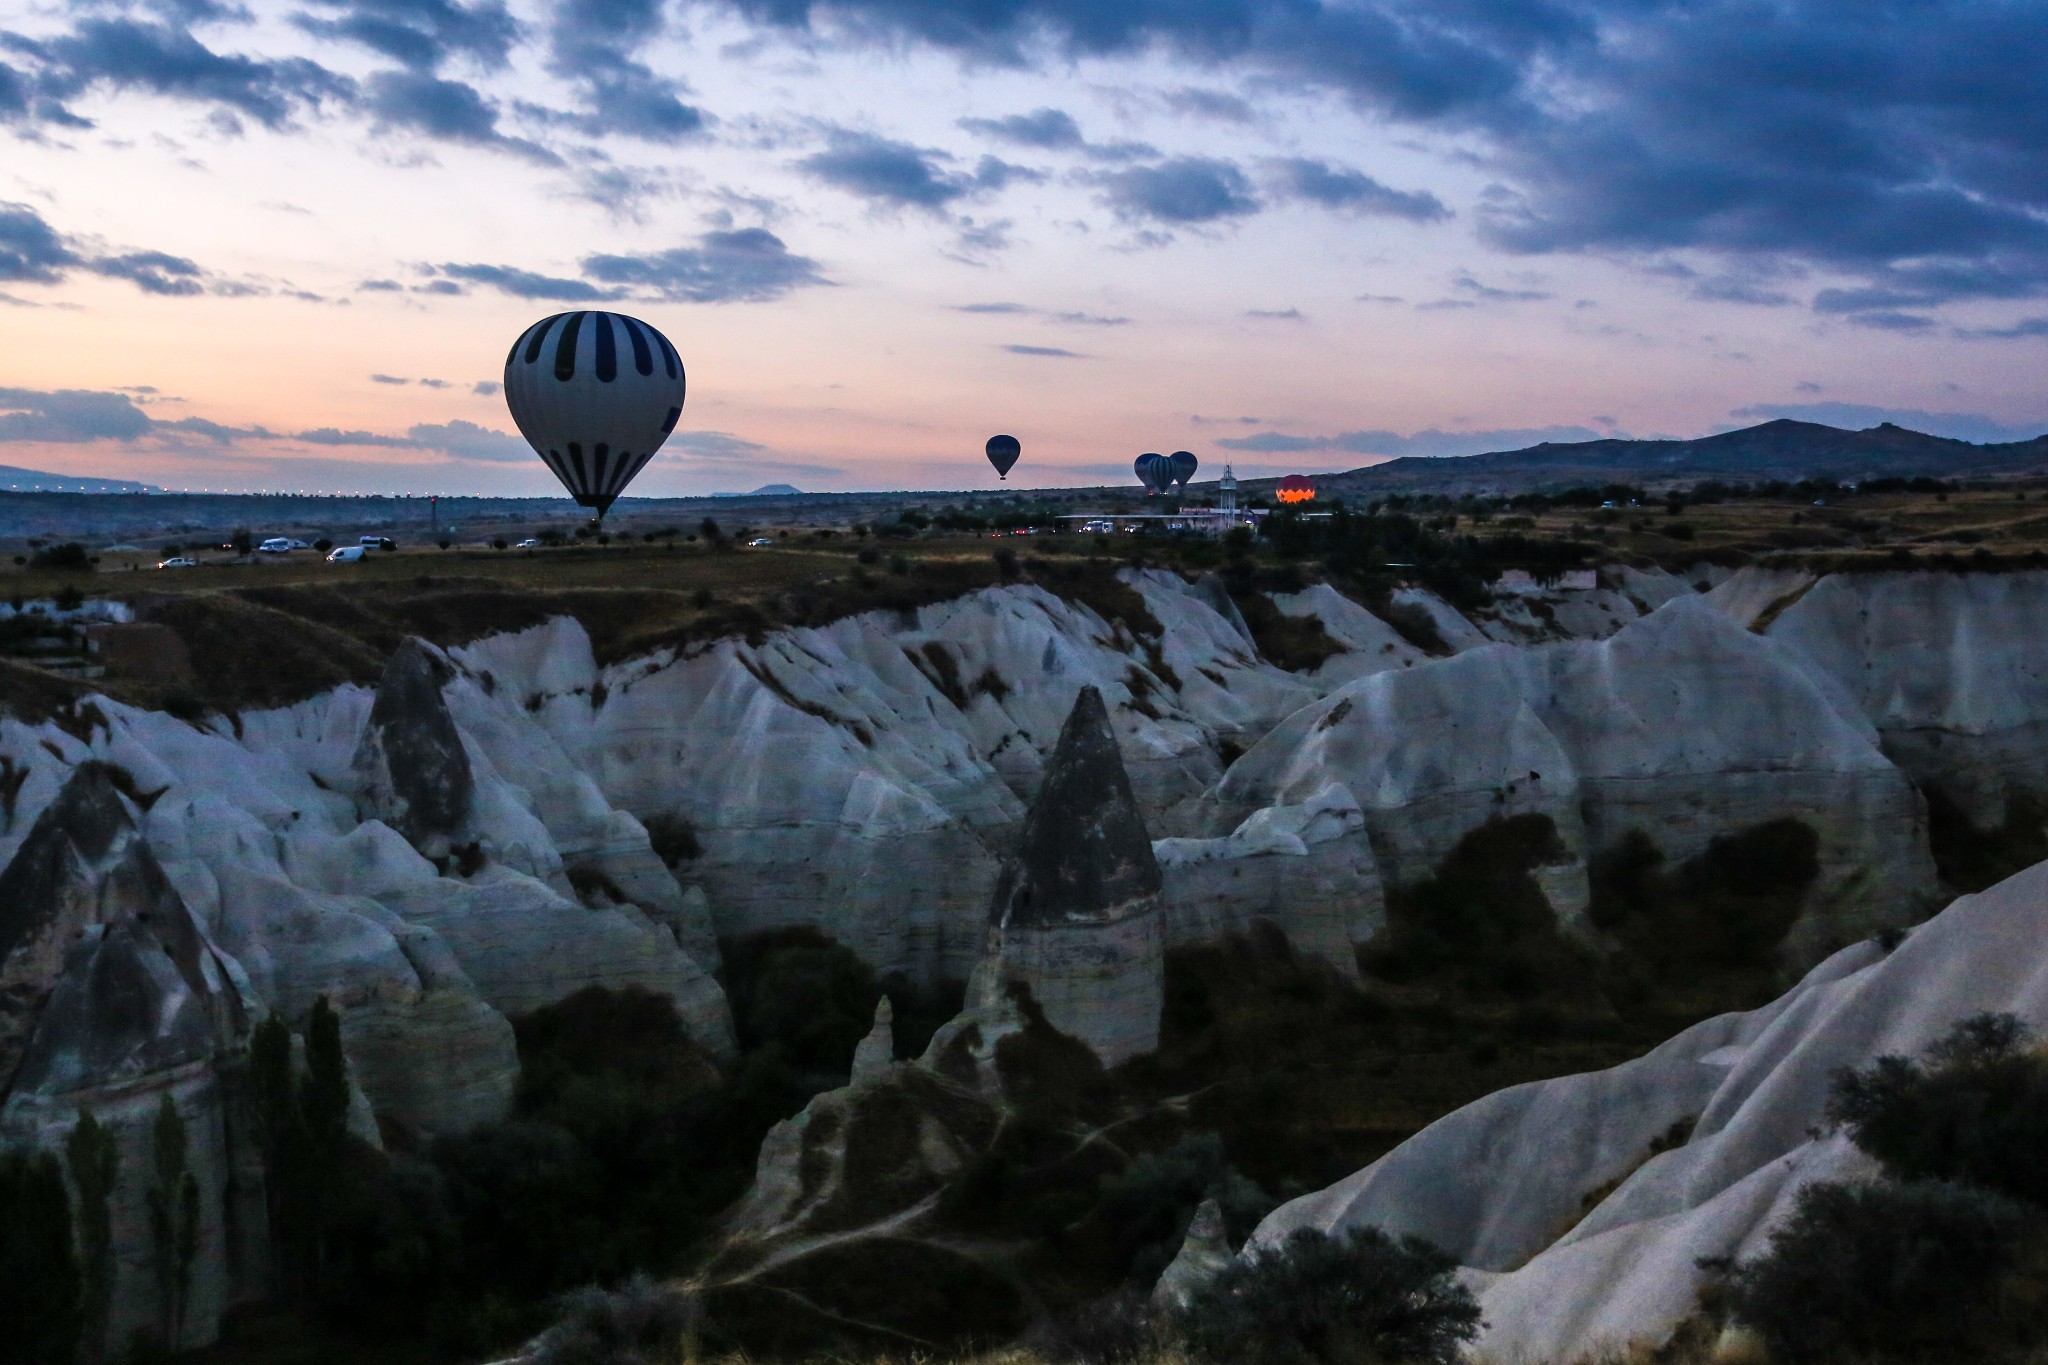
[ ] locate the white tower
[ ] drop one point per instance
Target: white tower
(1226, 491)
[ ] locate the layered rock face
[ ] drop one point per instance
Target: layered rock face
(1952, 669)
(1076, 916)
(1679, 725)
(115, 999)
(1583, 1205)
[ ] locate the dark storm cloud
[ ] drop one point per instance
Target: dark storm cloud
(419, 34)
(1902, 146)
(900, 175)
(525, 284)
(747, 265)
(1183, 190)
(1431, 442)
(1052, 129)
(164, 59)
(448, 111)
(1340, 187)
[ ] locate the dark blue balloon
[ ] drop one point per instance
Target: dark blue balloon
(1184, 465)
(1154, 470)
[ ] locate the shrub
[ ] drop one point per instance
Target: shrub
(1116, 1330)
(1975, 1110)
(39, 1278)
(1886, 1273)
(69, 556)
(1144, 1209)
(639, 1323)
(1358, 1299)
(799, 990)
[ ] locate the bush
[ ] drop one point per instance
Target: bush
(1976, 1110)
(1144, 1210)
(1116, 1330)
(69, 557)
(1886, 1273)
(639, 1323)
(800, 991)
(39, 1276)
(1359, 1299)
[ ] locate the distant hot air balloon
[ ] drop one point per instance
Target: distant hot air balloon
(1002, 453)
(1184, 466)
(1154, 470)
(595, 394)
(1295, 488)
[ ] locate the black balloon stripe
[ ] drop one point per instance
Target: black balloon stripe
(565, 349)
(537, 335)
(643, 358)
(607, 348)
(668, 424)
(580, 482)
(669, 356)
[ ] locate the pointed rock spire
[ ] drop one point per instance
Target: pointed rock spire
(1203, 1254)
(411, 769)
(875, 1055)
(1085, 855)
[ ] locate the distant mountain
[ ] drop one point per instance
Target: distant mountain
(775, 490)
(14, 480)
(1784, 449)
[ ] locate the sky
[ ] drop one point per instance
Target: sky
(285, 245)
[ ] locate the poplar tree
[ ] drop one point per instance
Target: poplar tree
(38, 1272)
(95, 1167)
(173, 1219)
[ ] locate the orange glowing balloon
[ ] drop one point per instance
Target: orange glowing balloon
(1295, 488)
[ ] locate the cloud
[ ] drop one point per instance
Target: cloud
(1351, 191)
(1058, 351)
(1091, 319)
(447, 111)
(65, 415)
(121, 53)
(994, 308)
(1183, 190)
(153, 272)
(418, 34)
(1276, 314)
(1962, 426)
(2025, 327)
(897, 174)
(716, 444)
(746, 265)
(388, 379)
(592, 44)
(31, 252)
(1050, 129)
(468, 441)
(486, 388)
(1431, 442)
(380, 286)
(1220, 105)
(1491, 294)
(525, 284)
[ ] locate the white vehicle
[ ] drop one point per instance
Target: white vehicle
(296, 544)
(377, 542)
(179, 562)
(276, 545)
(760, 540)
(345, 554)
(528, 544)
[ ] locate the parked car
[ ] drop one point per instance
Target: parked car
(528, 544)
(377, 543)
(760, 540)
(276, 545)
(178, 562)
(345, 554)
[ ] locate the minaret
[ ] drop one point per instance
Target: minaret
(1226, 491)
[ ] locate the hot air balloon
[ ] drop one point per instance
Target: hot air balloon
(1295, 488)
(1184, 466)
(595, 394)
(1002, 453)
(1154, 470)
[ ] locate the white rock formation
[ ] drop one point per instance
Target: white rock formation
(1203, 1254)
(875, 1055)
(1582, 1231)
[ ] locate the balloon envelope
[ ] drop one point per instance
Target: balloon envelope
(1002, 453)
(1295, 488)
(1184, 466)
(595, 394)
(1154, 471)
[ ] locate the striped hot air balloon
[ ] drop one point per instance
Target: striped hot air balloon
(595, 394)
(1295, 488)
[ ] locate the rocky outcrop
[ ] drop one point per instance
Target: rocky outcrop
(116, 1000)
(1680, 725)
(1583, 1205)
(1203, 1254)
(1076, 916)
(875, 1055)
(411, 770)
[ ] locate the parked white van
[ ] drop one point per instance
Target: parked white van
(345, 554)
(276, 545)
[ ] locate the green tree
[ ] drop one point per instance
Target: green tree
(173, 1218)
(95, 1167)
(303, 1123)
(38, 1275)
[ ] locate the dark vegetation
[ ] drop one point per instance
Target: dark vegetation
(1969, 857)
(1946, 1259)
